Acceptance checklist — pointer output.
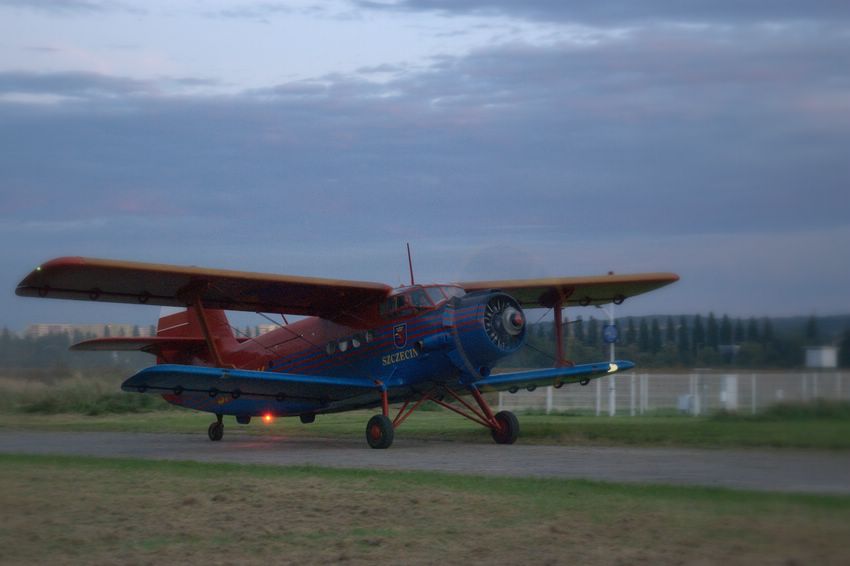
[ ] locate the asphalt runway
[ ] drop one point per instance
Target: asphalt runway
(770, 470)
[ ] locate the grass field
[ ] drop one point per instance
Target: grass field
(56, 510)
(91, 405)
(102, 511)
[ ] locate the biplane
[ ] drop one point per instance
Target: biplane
(359, 344)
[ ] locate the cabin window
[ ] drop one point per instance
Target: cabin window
(330, 348)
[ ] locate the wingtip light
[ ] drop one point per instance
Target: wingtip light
(612, 368)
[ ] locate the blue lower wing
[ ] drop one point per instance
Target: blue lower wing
(551, 376)
(169, 378)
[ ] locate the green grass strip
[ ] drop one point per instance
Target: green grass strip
(527, 487)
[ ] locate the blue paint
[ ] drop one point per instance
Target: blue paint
(454, 346)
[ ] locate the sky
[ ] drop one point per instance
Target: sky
(501, 139)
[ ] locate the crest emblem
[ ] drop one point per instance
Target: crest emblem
(400, 335)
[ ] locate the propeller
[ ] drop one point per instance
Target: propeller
(504, 322)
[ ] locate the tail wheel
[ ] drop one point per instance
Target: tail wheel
(380, 432)
(216, 431)
(508, 428)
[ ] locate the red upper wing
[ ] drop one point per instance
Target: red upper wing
(171, 285)
(575, 290)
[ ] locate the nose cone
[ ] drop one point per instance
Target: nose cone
(513, 321)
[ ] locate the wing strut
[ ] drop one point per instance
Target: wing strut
(560, 360)
(202, 319)
(559, 339)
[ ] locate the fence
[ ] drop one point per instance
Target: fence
(695, 392)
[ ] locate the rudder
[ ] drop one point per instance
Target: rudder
(186, 323)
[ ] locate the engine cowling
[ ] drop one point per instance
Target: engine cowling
(487, 326)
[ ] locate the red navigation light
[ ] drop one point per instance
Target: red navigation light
(268, 418)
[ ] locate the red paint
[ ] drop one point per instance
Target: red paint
(385, 401)
(559, 338)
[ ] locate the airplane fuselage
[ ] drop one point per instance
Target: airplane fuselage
(407, 350)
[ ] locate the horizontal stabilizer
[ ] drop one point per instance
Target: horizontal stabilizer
(149, 344)
(179, 379)
(551, 376)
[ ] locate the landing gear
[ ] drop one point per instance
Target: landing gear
(308, 418)
(503, 426)
(380, 432)
(508, 428)
(216, 430)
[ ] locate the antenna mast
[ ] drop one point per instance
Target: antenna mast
(410, 263)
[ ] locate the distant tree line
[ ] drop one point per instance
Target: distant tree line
(48, 357)
(682, 342)
(652, 342)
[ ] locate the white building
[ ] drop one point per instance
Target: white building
(822, 357)
(96, 330)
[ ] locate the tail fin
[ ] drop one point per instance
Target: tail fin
(187, 324)
(179, 339)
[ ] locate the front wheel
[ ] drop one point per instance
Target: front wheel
(508, 430)
(380, 432)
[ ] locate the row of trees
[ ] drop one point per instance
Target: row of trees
(683, 341)
(51, 352)
(48, 357)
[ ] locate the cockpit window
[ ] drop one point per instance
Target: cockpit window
(392, 305)
(435, 295)
(408, 300)
(452, 291)
(419, 299)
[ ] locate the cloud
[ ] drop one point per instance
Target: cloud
(629, 12)
(258, 11)
(42, 49)
(75, 86)
(663, 148)
(69, 7)
(665, 132)
(71, 84)
(61, 6)
(265, 12)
